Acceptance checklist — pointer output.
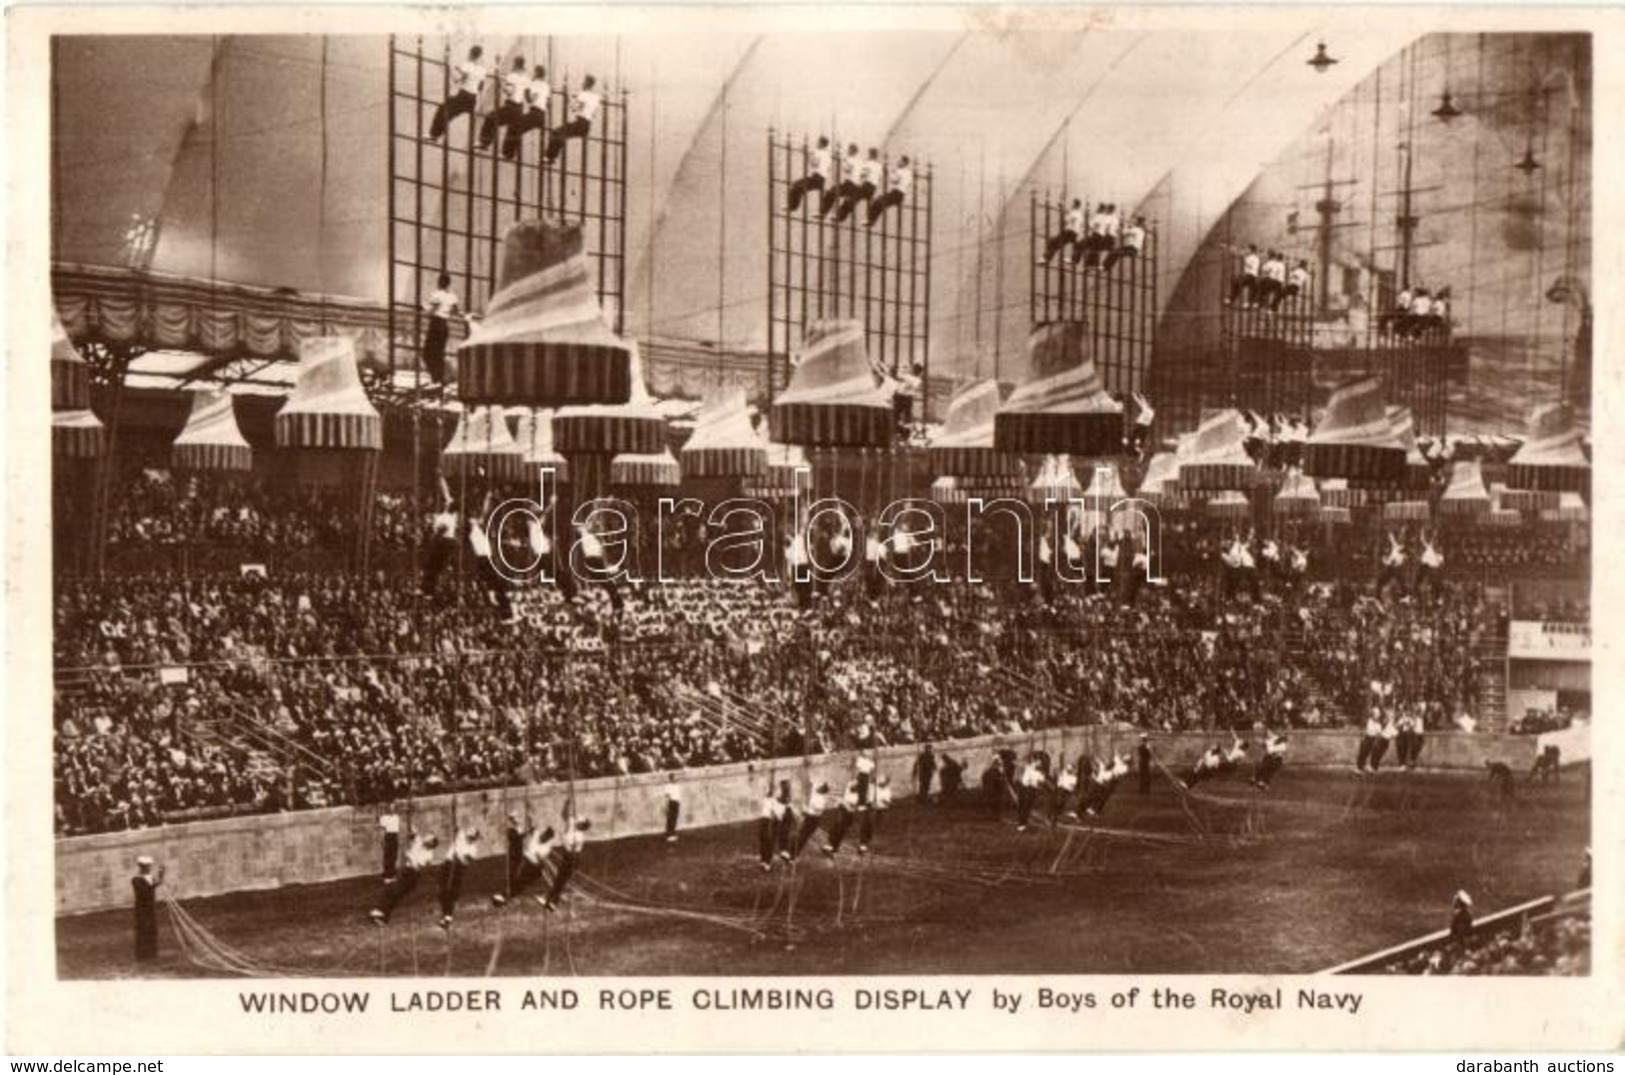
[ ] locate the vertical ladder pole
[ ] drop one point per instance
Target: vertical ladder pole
(924, 324)
(772, 250)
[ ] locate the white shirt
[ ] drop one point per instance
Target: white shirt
(1133, 237)
(1032, 776)
(1074, 220)
(1249, 265)
(1431, 556)
(674, 794)
(445, 524)
(772, 809)
(537, 94)
(851, 167)
(1275, 269)
(851, 796)
(1300, 278)
(1102, 224)
(874, 550)
(477, 539)
(1275, 745)
(1119, 768)
(467, 76)
(441, 303)
(536, 848)
(1211, 759)
(902, 179)
(1421, 306)
(816, 802)
(865, 765)
(1373, 728)
(1235, 753)
(390, 823)
(823, 163)
(514, 84)
(462, 848)
(419, 854)
(882, 796)
(1403, 302)
(1067, 781)
(872, 172)
(574, 841)
(585, 105)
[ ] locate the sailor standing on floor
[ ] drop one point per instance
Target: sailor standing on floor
(674, 806)
(1270, 762)
(584, 106)
(1142, 764)
(899, 184)
(463, 94)
(767, 828)
(389, 824)
(820, 177)
(536, 98)
(1032, 779)
(145, 885)
(511, 111)
(1369, 740)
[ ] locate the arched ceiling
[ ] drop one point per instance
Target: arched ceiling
(263, 158)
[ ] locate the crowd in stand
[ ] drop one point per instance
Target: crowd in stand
(353, 689)
(1557, 946)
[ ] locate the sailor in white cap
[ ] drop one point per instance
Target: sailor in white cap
(1461, 917)
(145, 884)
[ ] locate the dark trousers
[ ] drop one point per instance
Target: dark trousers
(1121, 253)
(1378, 749)
(838, 828)
(806, 184)
(1269, 293)
(392, 854)
(499, 586)
(860, 192)
(576, 128)
(1056, 243)
(924, 778)
(146, 933)
(1242, 288)
(1025, 797)
(458, 104)
(1199, 774)
(767, 833)
(451, 885)
(866, 828)
(673, 809)
(1268, 766)
(441, 550)
(398, 889)
(434, 349)
(1145, 777)
(534, 119)
(889, 200)
(528, 874)
(1285, 294)
(567, 867)
(1367, 745)
(505, 115)
(1093, 247)
(809, 825)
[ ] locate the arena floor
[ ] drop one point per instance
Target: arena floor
(1326, 867)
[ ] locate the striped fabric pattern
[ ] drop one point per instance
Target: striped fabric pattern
(482, 445)
(832, 400)
(1216, 456)
(1336, 516)
(1356, 438)
(1297, 498)
(964, 445)
(534, 434)
(211, 439)
(1466, 495)
(77, 435)
(1406, 511)
(328, 407)
(645, 470)
(544, 340)
(1553, 458)
(70, 373)
(724, 444)
(1064, 407)
(1231, 505)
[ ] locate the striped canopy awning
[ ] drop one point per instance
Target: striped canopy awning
(834, 399)
(328, 407)
(964, 445)
(724, 443)
(211, 440)
(70, 373)
(1064, 407)
(482, 446)
(1356, 438)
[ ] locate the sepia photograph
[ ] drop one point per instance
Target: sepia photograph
(814, 510)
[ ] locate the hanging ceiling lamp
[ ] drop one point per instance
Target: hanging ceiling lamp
(1447, 109)
(1320, 60)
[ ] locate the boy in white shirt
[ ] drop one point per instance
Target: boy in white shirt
(538, 95)
(511, 109)
(463, 93)
(820, 177)
(1070, 235)
(900, 183)
(584, 108)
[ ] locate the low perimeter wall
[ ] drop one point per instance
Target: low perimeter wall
(207, 858)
